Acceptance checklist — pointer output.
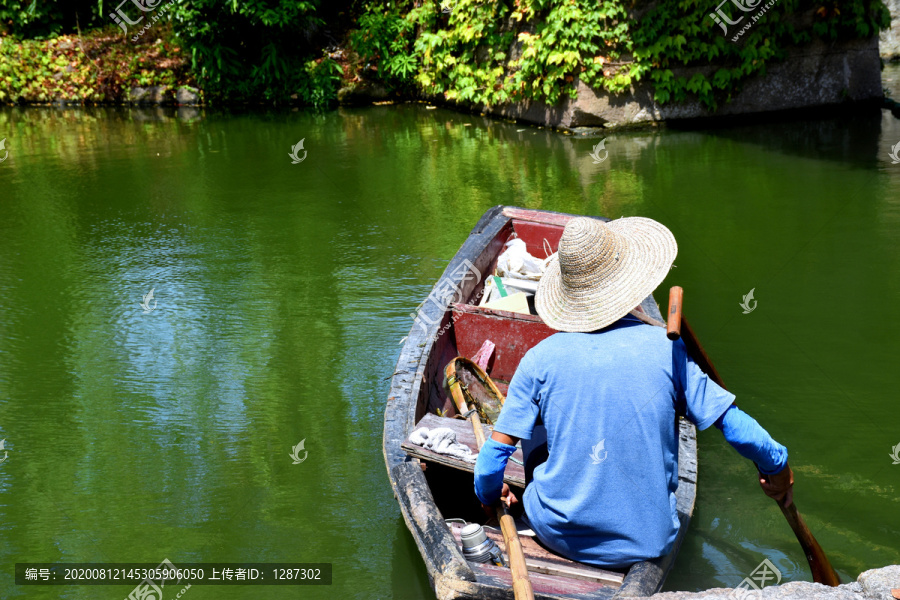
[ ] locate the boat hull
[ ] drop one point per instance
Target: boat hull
(416, 382)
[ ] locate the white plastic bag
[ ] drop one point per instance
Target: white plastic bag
(517, 263)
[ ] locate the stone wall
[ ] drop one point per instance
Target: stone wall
(890, 39)
(817, 75)
(876, 584)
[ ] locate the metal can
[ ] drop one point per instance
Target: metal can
(478, 548)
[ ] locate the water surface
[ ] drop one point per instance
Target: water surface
(281, 291)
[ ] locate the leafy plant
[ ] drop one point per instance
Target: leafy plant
(511, 50)
(100, 66)
(384, 43)
(43, 19)
(258, 49)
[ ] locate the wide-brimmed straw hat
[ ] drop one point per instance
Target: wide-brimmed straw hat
(602, 271)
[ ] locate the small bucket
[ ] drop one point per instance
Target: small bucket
(478, 548)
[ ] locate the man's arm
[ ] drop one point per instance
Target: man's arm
(489, 467)
(519, 414)
(754, 443)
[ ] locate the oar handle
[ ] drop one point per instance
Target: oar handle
(673, 318)
(522, 589)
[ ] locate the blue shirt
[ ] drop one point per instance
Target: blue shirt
(608, 399)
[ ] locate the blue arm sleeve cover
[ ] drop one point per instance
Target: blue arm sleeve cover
(752, 441)
(489, 470)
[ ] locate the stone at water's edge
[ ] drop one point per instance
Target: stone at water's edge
(183, 96)
(150, 95)
(186, 96)
(875, 584)
(816, 75)
(363, 92)
(890, 39)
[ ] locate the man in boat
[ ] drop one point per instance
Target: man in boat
(605, 392)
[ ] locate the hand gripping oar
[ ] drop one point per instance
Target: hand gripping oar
(520, 582)
(819, 564)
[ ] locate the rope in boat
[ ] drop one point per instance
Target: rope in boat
(443, 441)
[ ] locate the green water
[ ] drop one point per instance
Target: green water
(282, 291)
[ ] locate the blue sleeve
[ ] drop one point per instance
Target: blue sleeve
(520, 409)
(489, 470)
(752, 441)
(700, 398)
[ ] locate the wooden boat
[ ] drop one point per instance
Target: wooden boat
(435, 492)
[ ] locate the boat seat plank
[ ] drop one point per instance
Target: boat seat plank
(514, 474)
(544, 586)
(540, 560)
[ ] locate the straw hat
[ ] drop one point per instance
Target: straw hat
(602, 271)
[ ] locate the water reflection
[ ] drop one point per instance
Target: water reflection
(283, 289)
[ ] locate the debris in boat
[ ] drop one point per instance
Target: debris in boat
(520, 285)
(483, 357)
(517, 302)
(443, 441)
(518, 263)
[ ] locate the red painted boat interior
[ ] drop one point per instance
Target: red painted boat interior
(466, 326)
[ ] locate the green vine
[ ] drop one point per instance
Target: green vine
(497, 51)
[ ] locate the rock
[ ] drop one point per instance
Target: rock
(871, 585)
(150, 95)
(816, 75)
(878, 583)
(363, 92)
(890, 39)
(187, 96)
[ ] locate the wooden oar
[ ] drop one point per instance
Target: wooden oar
(520, 582)
(673, 327)
(821, 568)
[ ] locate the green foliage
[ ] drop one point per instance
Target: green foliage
(240, 51)
(384, 44)
(511, 50)
(47, 18)
(101, 66)
(249, 50)
(318, 88)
